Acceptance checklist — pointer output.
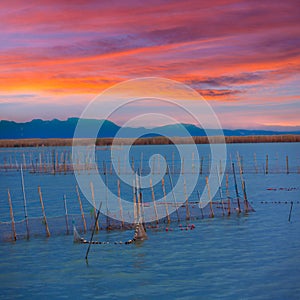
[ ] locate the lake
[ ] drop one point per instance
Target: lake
(253, 255)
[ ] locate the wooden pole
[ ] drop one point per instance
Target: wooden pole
(165, 198)
(134, 202)
(173, 162)
(236, 189)
(12, 217)
(173, 194)
(200, 204)
(182, 166)
(94, 204)
(154, 202)
(209, 198)
(246, 204)
(66, 214)
(228, 195)
(187, 210)
(43, 211)
(287, 164)
(267, 164)
(255, 163)
(290, 214)
(81, 209)
(201, 165)
(25, 202)
(120, 204)
(93, 231)
(220, 192)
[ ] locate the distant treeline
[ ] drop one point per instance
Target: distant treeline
(160, 140)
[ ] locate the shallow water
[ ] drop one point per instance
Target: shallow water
(253, 256)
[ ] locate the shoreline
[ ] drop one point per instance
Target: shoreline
(53, 142)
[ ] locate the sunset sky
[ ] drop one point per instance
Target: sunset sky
(242, 56)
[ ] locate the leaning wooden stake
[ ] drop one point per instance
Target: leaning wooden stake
(90, 243)
(228, 195)
(43, 211)
(246, 204)
(173, 195)
(186, 202)
(12, 216)
(120, 204)
(81, 209)
(94, 204)
(290, 214)
(154, 202)
(267, 164)
(25, 203)
(209, 198)
(66, 214)
(165, 198)
(200, 204)
(236, 189)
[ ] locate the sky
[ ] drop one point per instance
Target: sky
(243, 57)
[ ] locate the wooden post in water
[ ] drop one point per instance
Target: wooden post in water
(193, 163)
(134, 202)
(120, 204)
(267, 164)
(173, 162)
(246, 204)
(94, 204)
(200, 204)
(66, 213)
(173, 194)
(228, 195)
(201, 165)
(220, 192)
(182, 166)
(43, 211)
(255, 163)
(154, 202)
(236, 189)
(187, 210)
(12, 216)
(165, 198)
(287, 164)
(25, 202)
(81, 209)
(209, 198)
(290, 214)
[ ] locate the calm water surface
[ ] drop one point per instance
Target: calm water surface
(255, 256)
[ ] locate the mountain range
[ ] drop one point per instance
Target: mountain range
(65, 129)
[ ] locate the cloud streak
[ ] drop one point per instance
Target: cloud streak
(227, 50)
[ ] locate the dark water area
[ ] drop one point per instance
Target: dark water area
(241, 256)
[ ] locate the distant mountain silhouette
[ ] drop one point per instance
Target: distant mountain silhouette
(65, 129)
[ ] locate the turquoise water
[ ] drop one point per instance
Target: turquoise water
(254, 256)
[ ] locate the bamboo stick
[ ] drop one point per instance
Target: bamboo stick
(134, 202)
(12, 216)
(43, 211)
(94, 204)
(246, 204)
(228, 194)
(165, 198)
(287, 164)
(120, 204)
(81, 209)
(25, 203)
(209, 198)
(187, 210)
(66, 214)
(201, 165)
(236, 189)
(154, 202)
(267, 164)
(200, 204)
